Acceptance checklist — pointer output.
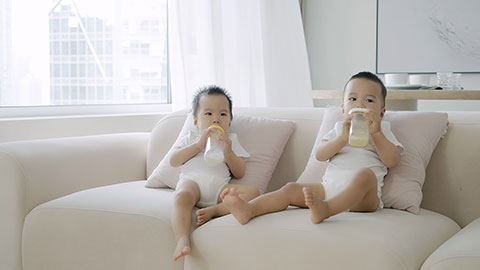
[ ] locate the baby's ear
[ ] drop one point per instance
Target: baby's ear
(195, 120)
(382, 113)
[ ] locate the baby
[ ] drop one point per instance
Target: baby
(200, 183)
(354, 176)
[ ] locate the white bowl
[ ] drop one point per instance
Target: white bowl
(396, 78)
(422, 79)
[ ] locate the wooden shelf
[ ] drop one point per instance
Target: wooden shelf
(408, 94)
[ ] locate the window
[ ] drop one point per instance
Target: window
(72, 52)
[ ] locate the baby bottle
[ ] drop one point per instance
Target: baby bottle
(358, 136)
(213, 150)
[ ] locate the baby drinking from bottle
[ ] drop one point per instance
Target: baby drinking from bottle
(371, 146)
(358, 149)
(209, 158)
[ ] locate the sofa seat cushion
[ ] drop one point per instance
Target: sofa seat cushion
(387, 239)
(462, 251)
(122, 226)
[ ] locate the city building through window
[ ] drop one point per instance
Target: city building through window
(72, 52)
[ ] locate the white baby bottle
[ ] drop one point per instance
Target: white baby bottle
(358, 136)
(213, 150)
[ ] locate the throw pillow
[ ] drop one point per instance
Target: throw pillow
(263, 138)
(315, 169)
(419, 132)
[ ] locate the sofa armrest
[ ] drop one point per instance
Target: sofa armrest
(36, 171)
(12, 205)
(461, 251)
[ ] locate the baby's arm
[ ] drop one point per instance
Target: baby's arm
(388, 153)
(235, 164)
(180, 156)
(327, 149)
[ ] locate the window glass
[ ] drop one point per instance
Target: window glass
(78, 52)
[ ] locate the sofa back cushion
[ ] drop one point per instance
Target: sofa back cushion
(55, 167)
(452, 181)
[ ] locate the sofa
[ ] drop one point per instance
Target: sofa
(81, 203)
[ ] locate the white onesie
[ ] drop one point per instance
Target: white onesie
(210, 179)
(349, 160)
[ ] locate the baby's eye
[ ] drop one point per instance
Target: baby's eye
(352, 99)
(223, 114)
(208, 113)
(370, 100)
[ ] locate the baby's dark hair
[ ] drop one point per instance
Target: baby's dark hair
(211, 90)
(372, 77)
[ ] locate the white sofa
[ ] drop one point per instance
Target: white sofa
(80, 203)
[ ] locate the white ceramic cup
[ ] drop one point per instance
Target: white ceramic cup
(419, 79)
(396, 78)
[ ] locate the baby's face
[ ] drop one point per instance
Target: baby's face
(213, 110)
(363, 93)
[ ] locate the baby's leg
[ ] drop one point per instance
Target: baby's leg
(290, 194)
(244, 192)
(186, 196)
(359, 196)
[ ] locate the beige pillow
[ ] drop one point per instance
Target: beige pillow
(419, 132)
(263, 138)
(315, 169)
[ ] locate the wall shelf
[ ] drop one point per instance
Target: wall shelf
(408, 94)
(406, 99)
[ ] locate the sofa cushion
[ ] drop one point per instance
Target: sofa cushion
(419, 132)
(462, 251)
(263, 138)
(386, 239)
(122, 226)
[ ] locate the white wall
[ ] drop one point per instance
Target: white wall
(341, 41)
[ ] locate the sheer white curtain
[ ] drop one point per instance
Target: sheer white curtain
(254, 48)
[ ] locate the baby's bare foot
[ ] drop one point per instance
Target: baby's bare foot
(318, 207)
(225, 192)
(182, 249)
(204, 215)
(238, 207)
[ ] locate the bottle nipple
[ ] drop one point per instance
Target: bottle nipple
(217, 127)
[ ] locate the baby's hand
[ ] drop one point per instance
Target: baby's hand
(347, 121)
(202, 142)
(226, 142)
(375, 122)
